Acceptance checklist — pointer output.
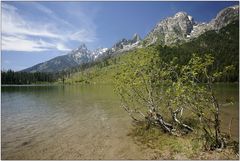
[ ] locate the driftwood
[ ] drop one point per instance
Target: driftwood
(175, 119)
(158, 120)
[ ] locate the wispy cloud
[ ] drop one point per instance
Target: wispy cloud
(22, 34)
(13, 23)
(21, 43)
(51, 14)
(83, 34)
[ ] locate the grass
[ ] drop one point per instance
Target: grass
(173, 147)
(100, 75)
(92, 76)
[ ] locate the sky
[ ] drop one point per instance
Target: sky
(34, 32)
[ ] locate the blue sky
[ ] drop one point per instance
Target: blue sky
(33, 32)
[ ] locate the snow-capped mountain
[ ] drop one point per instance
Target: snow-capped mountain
(172, 30)
(99, 52)
(76, 57)
(182, 27)
(126, 45)
(81, 54)
(119, 47)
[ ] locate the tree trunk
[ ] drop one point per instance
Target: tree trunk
(158, 120)
(175, 119)
(219, 142)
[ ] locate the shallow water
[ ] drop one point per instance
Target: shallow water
(227, 93)
(77, 122)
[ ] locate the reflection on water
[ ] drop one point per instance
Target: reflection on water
(76, 122)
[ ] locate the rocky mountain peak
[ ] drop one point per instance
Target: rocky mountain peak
(179, 28)
(126, 45)
(172, 29)
(80, 54)
(183, 15)
(182, 27)
(99, 52)
(82, 47)
(180, 14)
(136, 38)
(225, 16)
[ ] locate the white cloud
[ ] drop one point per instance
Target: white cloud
(21, 43)
(13, 23)
(62, 47)
(21, 34)
(86, 35)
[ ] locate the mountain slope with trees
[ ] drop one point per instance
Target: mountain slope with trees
(223, 45)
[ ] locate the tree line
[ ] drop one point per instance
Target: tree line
(223, 45)
(11, 77)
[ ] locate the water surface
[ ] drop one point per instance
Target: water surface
(78, 122)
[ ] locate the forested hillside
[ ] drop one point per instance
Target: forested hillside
(223, 45)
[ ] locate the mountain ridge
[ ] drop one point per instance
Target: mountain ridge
(182, 28)
(83, 55)
(223, 45)
(177, 29)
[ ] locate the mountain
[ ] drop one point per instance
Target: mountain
(182, 27)
(121, 46)
(126, 45)
(171, 31)
(98, 53)
(83, 55)
(74, 58)
(222, 44)
(225, 17)
(54, 65)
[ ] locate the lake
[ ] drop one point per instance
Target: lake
(79, 122)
